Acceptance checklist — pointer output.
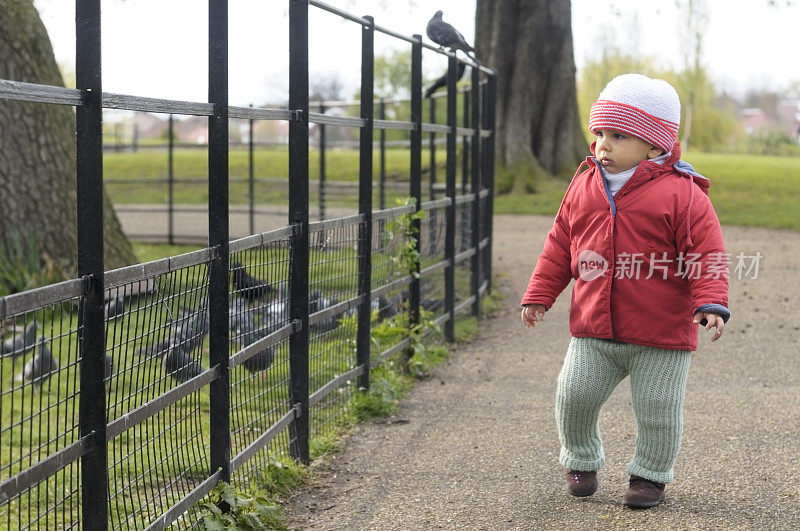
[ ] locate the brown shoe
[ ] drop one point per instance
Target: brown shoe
(581, 483)
(643, 493)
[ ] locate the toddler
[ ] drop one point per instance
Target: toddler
(638, 233)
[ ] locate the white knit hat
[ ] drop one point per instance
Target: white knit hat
(649, 109)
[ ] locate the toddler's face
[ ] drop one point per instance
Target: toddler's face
(618, 151)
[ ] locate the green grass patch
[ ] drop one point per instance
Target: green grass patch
(140, 177)
(750, 190)
(753, 190)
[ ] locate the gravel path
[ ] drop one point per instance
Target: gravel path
(477, 448)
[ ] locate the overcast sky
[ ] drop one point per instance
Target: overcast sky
(157, 48)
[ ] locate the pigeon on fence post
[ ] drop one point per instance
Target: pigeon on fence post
(446, 36)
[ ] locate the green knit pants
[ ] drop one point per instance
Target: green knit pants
(592, 370)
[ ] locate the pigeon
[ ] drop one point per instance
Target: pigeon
(446, 35)
(260, 361)
(115, 307)
(188, 331)
(180, 364)
(241, 321)
(276, 313)
(249, 287)
(245, 332)
(383, 306)
(20, 343)
(41, 366)
(316, 303)
(442, 81)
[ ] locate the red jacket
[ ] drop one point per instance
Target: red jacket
(657, 225)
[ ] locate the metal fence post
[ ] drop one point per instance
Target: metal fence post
(382, 163)
(415, 185)
(475, 93)
(322, 140)
(365, 201)
(251, 174)
(298, 215)
(171, 181)
(218, 210)
(432, 147)
(91, 318)
(450, 228)
(488, 158)
(465, 151)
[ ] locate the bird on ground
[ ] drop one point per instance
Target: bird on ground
(41, 366)
(442, 81)
(260, 361)
(318, 302)
(275, 313)
(188, 331)
(247, 286)
(245, 332)
(180, 365)
(20, 343)
(446, 36)
(115, 307)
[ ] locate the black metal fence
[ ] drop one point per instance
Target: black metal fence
(258, 198)
(127, 395)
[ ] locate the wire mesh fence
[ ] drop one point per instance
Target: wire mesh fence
(126, 396)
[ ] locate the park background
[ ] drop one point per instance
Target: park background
(744, 89)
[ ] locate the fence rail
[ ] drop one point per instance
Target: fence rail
(126, 396)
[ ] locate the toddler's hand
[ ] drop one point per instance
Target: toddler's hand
(532, 313)
(712, 320)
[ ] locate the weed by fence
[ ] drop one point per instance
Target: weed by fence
(126, 396)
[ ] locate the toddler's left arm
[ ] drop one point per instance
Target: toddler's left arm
(712, 320)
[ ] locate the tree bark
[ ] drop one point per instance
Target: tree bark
(37, 150)
(529, 43)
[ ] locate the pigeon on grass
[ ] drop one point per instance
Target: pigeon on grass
(41, 366)
(20, 343)
(247, 286)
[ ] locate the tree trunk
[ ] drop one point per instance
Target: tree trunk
(529, 43)
(37, 150)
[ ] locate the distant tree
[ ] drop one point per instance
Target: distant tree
(393, 75)
(694, 20)
(37, 149)
(529, 43)
(325, 87)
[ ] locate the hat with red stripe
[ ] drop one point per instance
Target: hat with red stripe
(647, 108)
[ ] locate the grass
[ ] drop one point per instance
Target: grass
(749, 190)
(148, 169)
(753, 190)
(145, 465)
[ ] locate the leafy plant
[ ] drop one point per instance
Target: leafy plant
(236, 509)
(403, 226)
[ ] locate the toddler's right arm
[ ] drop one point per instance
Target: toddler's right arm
(532, 313)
